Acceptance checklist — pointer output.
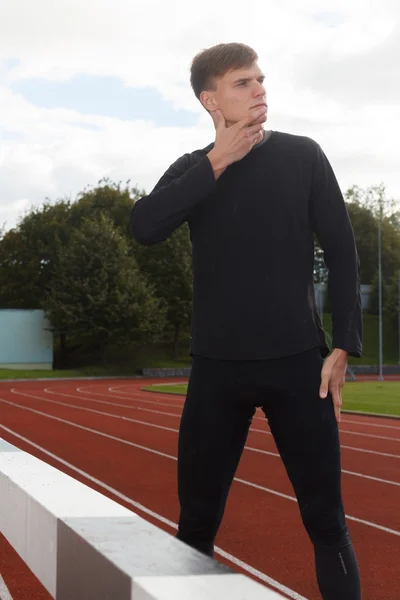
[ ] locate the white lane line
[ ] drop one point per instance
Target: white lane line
(4, 591)
(371, 435)
(378, 479)
(172, 383)
(92, 410)
(262, 431)
(367, 435)
(375, 452)
(287, 497)
(108, 403)
(149, 424)
(365, 423)
(84, 428)
(248, 483)
(137, 388)
(236, 561)
(253, 429)
(139, 398)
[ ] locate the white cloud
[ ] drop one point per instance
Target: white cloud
(331, 74)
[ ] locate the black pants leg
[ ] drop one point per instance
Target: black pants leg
(221, 401)
(213, 432)
(306, 433)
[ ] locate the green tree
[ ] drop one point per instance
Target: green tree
(27, 254)
(97, 291)
(373, 198)
(168, 268)
(365, 228)
(28, 251)
(392, 306)
(390, 297)
(108, 198)
(365, 206)
(320, 268)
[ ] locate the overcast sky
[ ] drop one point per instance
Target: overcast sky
(100, 88)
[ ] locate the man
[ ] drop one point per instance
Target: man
(253, 200)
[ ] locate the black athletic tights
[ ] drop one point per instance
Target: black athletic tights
(221, 401)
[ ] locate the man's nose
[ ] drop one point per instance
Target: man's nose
(259, 90)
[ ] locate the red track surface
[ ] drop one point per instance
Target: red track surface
(261, 528)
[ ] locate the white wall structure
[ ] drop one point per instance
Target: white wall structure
(26, 341)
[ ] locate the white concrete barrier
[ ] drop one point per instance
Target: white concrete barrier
(4, 591)
(83, 546)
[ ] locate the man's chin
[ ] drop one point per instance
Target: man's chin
(262, 119)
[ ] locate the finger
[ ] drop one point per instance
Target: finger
(254, 130)
(254, 119)
(252, 133)
(337, 413)
(337, 402)
(325, 378)
(218, 119)
(256, 138)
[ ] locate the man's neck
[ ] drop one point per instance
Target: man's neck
(266, 135)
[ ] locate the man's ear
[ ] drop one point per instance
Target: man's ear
(208, 101)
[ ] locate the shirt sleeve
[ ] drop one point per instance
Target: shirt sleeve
(156, 216)
(332, 226)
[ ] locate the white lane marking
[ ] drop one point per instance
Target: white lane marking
(172, 383)
(375, 452)
(151, 450)
(92, 410)
(368, 435)
(261, 576)
(262, 431)
(371, 435)
(371, 424)
(355, 474)
(113, 388)
(158, 395)
(4, 591)
(95, 431)
(118, 405)
(138, 398)
(148, 424)
(349, 517)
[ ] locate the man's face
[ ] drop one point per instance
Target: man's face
(238, 94)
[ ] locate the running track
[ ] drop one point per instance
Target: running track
(123, 442)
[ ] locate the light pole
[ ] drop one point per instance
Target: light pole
(380, 378)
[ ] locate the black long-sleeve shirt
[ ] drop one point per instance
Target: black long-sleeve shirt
(252, 233)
